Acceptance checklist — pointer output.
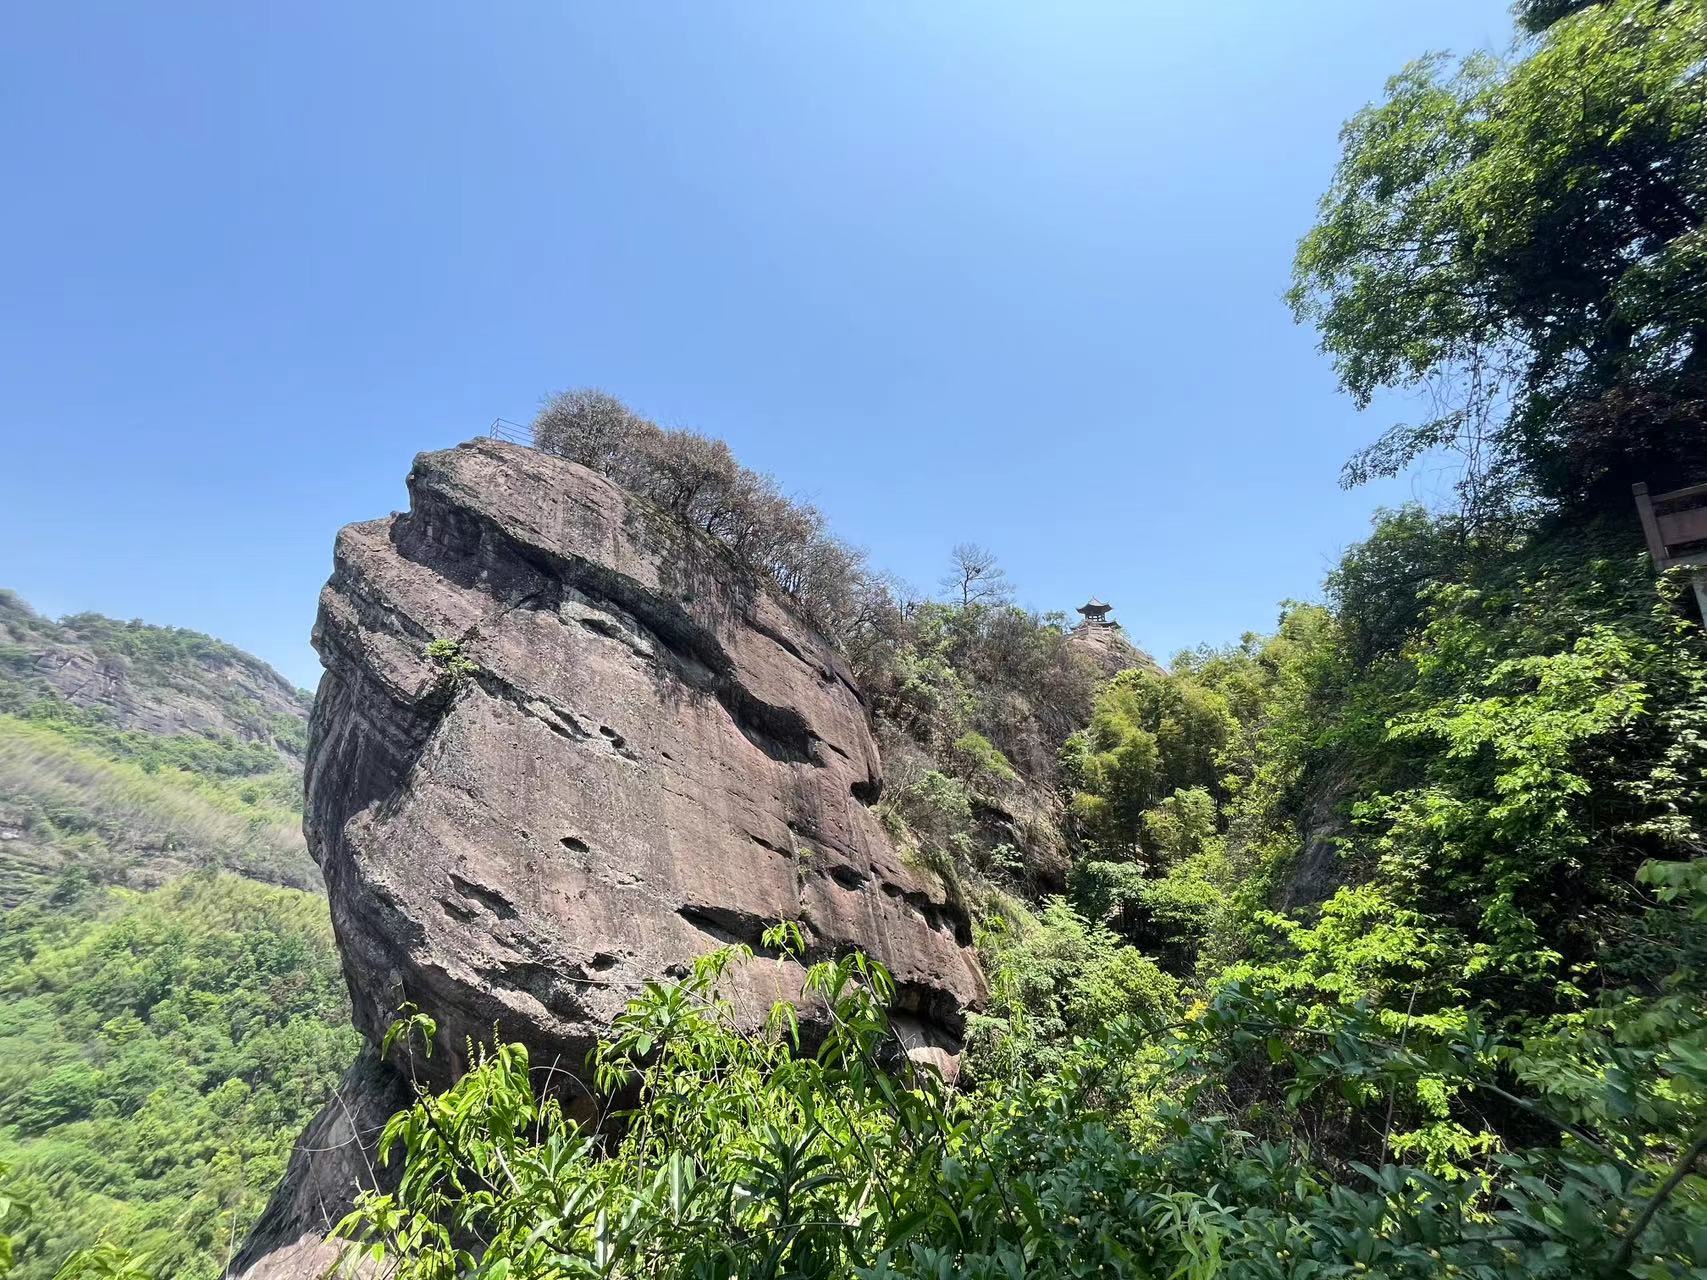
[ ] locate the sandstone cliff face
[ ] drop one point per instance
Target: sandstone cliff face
(645, 757)
(333, 1157)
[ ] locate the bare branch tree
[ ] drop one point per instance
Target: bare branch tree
(976, 577)
(696, 479)
(585, 425)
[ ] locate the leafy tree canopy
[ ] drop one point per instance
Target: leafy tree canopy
(1523, 239)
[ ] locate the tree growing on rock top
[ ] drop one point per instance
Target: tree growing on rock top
(976, 577)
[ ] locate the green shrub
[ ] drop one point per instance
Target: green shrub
(455, 666)
(985, 768)
(738, 1158)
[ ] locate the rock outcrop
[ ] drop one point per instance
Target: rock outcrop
(332, 1159)
(1109, 649)
(627, 754)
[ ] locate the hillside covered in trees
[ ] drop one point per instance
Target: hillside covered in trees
(1374, 944)
(130, 752)
(170, 1013)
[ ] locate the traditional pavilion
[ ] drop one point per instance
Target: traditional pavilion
(1096, 613)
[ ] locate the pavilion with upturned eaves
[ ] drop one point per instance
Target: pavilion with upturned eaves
(1095, 613)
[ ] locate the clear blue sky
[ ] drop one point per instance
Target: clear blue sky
(1001, 273)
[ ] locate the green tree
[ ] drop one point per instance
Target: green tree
(1524, 237)
(1150, 735)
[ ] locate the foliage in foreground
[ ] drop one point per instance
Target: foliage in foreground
(739, 1158)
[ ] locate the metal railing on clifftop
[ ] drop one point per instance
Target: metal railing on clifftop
(513, 432)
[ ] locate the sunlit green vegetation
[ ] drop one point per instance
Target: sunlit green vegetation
(1221, 1142)
(1381, 945)
(1383, 954)
(78, 789)
(112, 804)
(159, 1051)
(164, 660)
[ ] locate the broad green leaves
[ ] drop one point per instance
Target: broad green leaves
(738, 1158)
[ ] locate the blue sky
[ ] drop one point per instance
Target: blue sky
(1007, 273)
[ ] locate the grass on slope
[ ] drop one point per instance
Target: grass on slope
(122, 804)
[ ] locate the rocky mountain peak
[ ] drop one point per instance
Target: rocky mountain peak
(1105, 643)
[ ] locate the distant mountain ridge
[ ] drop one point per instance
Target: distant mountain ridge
(130, 753)
(137, 676)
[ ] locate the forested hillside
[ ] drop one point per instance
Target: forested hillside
(166, 1026)
(130, 753)
(159, 1051)
(167, 681)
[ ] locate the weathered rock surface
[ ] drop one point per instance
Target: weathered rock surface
(645, 756)
(333, 1157)
(1319, 870)
(1109, 650)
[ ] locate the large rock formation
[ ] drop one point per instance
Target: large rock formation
(333, 1157)
(632, 754)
